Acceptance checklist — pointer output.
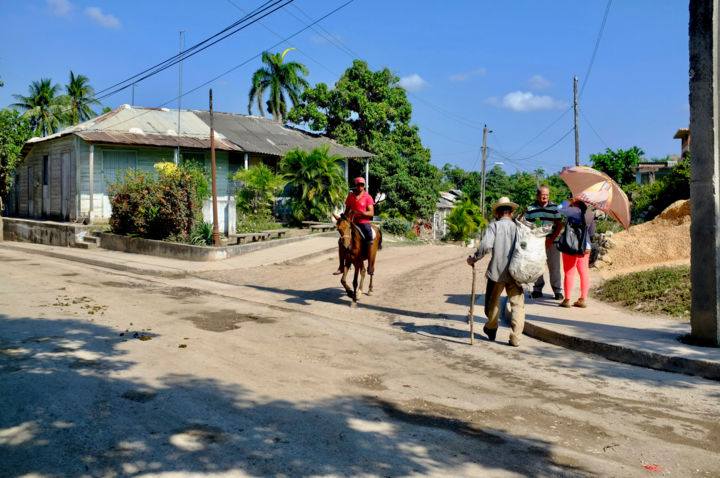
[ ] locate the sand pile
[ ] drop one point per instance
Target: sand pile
(665, 239)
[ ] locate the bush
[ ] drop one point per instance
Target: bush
(464, 221)
(202, 235)
(255, 223)
(157, 205)
(649, 200)
(258, 192)
(395, 225)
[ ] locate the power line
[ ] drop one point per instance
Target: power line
(178, 55)
(593, 129)
(184, 56)
(539, 152)
(541, 132)
(597, 44)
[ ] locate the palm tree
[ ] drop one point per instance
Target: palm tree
(281, 79)
(80, 95)
(316, 182)
(41, 107)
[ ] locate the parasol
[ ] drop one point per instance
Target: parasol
(597, 189)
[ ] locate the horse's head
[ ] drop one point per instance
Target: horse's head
(344, 227)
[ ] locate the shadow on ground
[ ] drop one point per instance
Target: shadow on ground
(66, 411)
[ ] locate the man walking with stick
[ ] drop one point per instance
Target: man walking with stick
(500, 238)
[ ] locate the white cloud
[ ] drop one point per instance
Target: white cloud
(106, 20)
(526, 101)
(60, 8)
(466, 76)
(537, 82)
(413, 82)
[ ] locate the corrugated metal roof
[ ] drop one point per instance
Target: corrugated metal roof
(158, 127)
(155, 140)
(265, 136)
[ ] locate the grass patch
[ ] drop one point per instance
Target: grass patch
(664, 290)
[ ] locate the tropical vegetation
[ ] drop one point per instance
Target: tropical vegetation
(618, 164)
(315, 183)
(464, 221)
(160, 204)
(81, 97)
(369, 109)
(42, 107)
(279, 80)
(14, 131)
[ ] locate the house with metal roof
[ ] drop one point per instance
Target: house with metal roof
(65, 176)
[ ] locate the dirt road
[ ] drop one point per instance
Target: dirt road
(266, 371)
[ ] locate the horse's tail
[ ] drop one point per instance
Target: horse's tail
(379, 238)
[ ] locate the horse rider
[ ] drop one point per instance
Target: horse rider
(361, 206)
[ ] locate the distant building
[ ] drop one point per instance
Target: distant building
(683, 134)
(646, 172)
(448, 201)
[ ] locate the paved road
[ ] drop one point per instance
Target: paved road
(263, 370)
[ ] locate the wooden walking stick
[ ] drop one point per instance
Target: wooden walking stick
(472, 306)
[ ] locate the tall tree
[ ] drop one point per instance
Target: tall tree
(42, 107)
(618, 164)
(81, 96)
(280, 79)
(370, 110)
(316, 182)
(14, 131)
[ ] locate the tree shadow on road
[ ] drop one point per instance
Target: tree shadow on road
(61, 417)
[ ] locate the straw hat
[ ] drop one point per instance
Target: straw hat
(504, 201)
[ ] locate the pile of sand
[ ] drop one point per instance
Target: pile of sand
(664, 240)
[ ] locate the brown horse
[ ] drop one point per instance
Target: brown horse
(354, 251)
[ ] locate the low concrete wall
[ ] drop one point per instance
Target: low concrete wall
(173, 250)
(43, 232)
(188, 252)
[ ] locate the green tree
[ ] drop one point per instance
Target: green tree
(80, 96)
(42, 107)
(464, 220)
(368, 109)
(280, 79)
(259, 187)
(316, 183)
(618, 164)
(14, 131)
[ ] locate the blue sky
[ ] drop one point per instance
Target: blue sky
(507, 64)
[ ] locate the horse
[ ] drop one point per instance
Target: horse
(355, 251)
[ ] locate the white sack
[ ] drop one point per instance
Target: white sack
(529, 258)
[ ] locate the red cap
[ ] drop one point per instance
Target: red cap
(360, 180)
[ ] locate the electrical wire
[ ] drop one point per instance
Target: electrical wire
(597, 44)
(174, 62)
(591, 127)
(179, 55)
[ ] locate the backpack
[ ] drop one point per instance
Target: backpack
(573, 240)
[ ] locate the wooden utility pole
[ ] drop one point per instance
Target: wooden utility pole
(216, 232)
(482, 175)
(577, 138)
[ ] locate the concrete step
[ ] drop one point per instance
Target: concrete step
(91, 240)
(84, 245)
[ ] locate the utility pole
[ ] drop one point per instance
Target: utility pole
(482, 176)
(216, 232)
(577, 138)
(177, 153)
(132, 103)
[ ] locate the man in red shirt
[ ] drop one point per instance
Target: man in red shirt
(362, 207)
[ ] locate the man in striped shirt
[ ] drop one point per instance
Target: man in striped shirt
(545, 212)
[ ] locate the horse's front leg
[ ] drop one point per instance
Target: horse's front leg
(355, 286)
(343, 281)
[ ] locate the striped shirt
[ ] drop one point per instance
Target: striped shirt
(547, 215)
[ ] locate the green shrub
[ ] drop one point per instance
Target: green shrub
(255, 223)
(202, 235)
(649, 200)
(259, 189)
(157, 205)
(464, 221)
(395, 225)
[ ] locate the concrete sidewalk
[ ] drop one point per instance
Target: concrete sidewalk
(603, 329)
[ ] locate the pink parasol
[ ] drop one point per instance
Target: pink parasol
(597, 189)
